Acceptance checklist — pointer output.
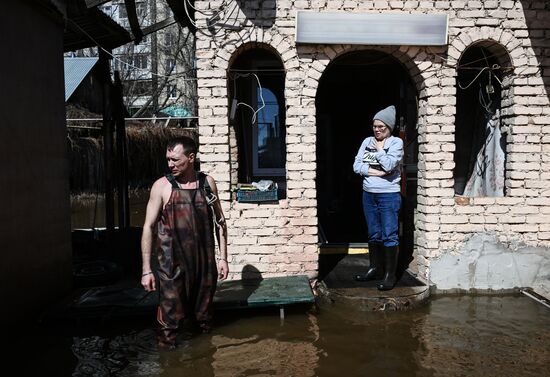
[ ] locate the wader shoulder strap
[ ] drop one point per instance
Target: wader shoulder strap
(172, 180)
(203, 183)
(211, 199)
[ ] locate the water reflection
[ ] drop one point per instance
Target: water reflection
(370, 343)
(287, 350)
(193, 358)
(486, 336)
(468, 335)
(457, 336)
(88, 210)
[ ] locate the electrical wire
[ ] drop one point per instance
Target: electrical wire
(192, 22)
(231, 14)
(172, 76)
(475, 78)
(213, 12)
(255, 112)
(463, 66)
(213, 15)
(485, 103)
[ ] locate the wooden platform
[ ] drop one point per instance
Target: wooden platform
(276, 291)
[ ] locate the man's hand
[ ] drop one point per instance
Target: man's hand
(223, 269)
(375, 172)
(148, 282)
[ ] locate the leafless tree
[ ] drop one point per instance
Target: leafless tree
(159, 71)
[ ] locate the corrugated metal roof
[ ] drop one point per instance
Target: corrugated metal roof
(75, 71)
(91, 27)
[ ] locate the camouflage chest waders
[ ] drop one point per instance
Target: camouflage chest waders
(187, 266)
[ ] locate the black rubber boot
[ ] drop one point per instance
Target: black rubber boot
(376, 264)
(391, 254)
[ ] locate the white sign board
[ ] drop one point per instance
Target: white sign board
(371, 28)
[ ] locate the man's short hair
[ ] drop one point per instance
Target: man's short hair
(188, 144)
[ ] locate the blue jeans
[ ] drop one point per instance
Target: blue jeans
(382, 215)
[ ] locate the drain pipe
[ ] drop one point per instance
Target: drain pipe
(535, 296)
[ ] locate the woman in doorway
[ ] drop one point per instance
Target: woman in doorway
(379, 163)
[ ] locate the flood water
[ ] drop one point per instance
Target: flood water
(449, 336)
(88, 210)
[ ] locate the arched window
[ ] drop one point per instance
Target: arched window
(257, 114)
(480, 154)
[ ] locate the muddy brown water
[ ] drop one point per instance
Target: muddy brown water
(449, 336)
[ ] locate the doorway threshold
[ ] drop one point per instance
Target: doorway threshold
(343, 248)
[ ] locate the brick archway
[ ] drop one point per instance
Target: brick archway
(395, 60)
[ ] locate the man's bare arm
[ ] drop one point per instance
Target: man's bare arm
(221, 231)
(154, 206)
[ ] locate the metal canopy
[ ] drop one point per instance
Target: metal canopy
(90, 27)
(371, 28)
(87, 26)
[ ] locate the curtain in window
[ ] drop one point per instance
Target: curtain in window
(487, 178)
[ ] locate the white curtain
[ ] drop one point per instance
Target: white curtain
(487, 178)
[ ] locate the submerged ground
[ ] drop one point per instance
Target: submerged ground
(448, 336)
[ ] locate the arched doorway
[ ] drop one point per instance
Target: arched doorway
(352, 89)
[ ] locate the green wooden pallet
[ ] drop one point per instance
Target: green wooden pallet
(275, 291)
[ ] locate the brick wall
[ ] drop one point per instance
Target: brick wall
(282, 238)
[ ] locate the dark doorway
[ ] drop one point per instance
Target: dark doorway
(352, 89)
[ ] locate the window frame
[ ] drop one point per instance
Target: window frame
(170, 65)
(171, 91)
(256, 170)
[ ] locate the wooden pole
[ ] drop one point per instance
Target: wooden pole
(107, 144)
(121, 156)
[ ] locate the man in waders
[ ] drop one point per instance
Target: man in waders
(184, 212)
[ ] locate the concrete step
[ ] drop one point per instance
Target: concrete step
(338, 285)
